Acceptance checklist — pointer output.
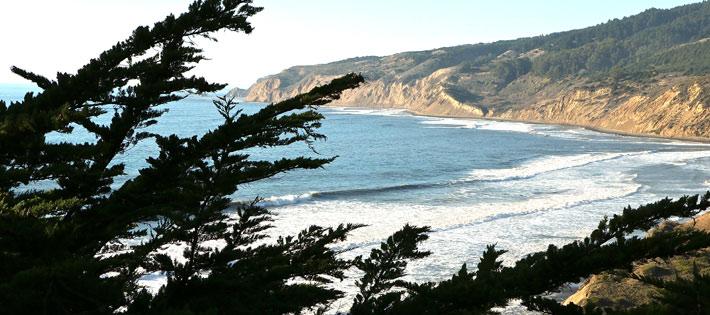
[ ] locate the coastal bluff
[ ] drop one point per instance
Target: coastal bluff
(674, 107)
(646, 74)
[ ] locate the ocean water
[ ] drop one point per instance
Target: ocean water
(474, 182)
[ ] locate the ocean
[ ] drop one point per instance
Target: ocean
(474, 182)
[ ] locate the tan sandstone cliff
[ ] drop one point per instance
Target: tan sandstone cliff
(670, 106)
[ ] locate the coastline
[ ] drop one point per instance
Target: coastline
(698, 140)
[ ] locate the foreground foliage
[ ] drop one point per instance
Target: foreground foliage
(64, 248)
(67, 248)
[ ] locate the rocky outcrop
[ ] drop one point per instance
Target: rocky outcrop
(620, 291)
(613, 290)
(237, 93)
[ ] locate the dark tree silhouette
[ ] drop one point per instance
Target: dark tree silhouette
(61, 247)
(610, 246)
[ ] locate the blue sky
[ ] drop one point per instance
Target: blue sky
(60, 35)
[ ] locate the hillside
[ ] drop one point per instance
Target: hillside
(623, 290)
(644, 74)
(237, 92)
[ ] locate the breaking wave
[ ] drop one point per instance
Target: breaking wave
(541, 166)
(479, 124)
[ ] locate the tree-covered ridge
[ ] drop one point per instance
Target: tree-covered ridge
(659, 41)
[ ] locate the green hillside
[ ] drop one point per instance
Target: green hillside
(654, 41)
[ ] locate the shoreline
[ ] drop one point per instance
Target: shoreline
(697, 140)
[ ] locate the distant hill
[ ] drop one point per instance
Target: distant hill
(644, 74)
(237, 92)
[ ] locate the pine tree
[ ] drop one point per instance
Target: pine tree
(612, 245)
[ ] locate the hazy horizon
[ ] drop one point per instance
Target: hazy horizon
(282, 31)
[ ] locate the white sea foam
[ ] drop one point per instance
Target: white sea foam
(479, 124)
(578, 192)
(369, 111)
(542, 165)
(461, 232)
(383, 218)
(452, 122)
(276, 201)
(507, 126)
(673, 157)
(580, 133)
(671, 142)
(570, 133)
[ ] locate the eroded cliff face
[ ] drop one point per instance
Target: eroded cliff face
(676, 107)
(427, 96)
(671, 106)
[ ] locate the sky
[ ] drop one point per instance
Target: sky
(46, 36)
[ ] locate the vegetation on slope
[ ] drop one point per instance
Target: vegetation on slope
(663, 41)
(623, 64)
